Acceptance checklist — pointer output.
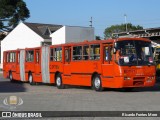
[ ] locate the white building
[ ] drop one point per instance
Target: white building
(68, 34)
(27, 35)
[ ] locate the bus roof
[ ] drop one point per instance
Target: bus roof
(109, 41)
(143, 39)
(100, 41)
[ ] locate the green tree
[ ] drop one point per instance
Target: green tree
(11, 13)
(120, 28)
(98, 38)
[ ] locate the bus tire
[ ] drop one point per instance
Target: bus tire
(59, 83)
(11, 77)
(30, 79)
(97, 83)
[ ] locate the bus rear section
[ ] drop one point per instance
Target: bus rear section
(134, 66)
(12, 64)
(28, 65)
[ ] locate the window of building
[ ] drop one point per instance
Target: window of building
(56, 54)
(95, 52)
(77, 53)
(30, 56)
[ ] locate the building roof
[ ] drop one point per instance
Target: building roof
(44, 30)
(148, 32)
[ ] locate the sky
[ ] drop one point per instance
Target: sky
(104, 13)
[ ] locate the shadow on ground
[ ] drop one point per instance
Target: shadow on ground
(7, 86)
(155, 88)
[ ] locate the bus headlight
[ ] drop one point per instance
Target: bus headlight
(150, 78)
(127, 78)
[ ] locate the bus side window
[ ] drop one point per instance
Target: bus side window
(52, 54)
(85, 52)
(30, 56)
(67, 55)
(77, 53)
(7, 57)
(37, 57)
(11, 57)
(14, 57)
(95, 52)
(111, 52)
(57, 54)
(106, 52)
(18, 57)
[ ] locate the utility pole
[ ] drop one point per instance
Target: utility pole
(91, 21)
(125, 20)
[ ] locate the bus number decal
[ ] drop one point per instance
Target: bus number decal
(54, 67)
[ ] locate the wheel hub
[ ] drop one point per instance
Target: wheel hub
(58, 81)
(11, 76)
(30, 78)
(97, 82)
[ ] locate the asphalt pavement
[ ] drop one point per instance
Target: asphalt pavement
(44, 97)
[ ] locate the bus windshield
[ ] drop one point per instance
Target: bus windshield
(134, 53)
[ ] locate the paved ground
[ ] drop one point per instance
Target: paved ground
(49, 98)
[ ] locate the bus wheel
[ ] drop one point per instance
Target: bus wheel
(59, 81)
(97, 84)
(11, 77)
(30, 79)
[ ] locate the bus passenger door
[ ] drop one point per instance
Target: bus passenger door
(17, 63)
(67, 59)
(107, 65)
(37, 63)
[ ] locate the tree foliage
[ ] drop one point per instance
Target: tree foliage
(120, 28)
(98, 38)
(11, 13)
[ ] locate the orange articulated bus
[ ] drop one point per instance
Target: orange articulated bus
(113, 63)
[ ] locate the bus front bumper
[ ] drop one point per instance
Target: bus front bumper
(125, 82)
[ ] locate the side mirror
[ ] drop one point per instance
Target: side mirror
(115, 44)
(152, 49)
(114, 50)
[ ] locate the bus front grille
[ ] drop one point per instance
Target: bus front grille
(138, 81)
